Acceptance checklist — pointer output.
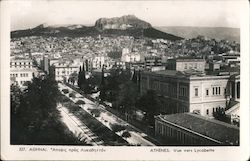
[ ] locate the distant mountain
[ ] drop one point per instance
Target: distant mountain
(121, 23)
(126, 25)
(219, 33)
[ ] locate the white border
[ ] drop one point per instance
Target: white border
(9, 152)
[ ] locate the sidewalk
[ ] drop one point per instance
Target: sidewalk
(78, 128)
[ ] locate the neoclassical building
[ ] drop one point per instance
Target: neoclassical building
(195, 92)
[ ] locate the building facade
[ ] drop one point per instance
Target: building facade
(152, 61)
(182, 64)
(98, 62)
(62, 71)
(21, 71)
(131, 57)
(180, 92)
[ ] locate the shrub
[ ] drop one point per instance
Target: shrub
(117, 127)
(72, 95)
(126, 134)
(73, 108)
(95, 112)
(63, 99)
(80, 102)
(65, 91)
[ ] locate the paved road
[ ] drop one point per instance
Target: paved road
(137, 136)
(78, 127)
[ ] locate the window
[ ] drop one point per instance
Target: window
(195, 65)
(207, 111)
(207, 92)
(196, 92)
(216, 91)
(183, 91)
(185, 66)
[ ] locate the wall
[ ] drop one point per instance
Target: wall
(195, 65)
(204, 102)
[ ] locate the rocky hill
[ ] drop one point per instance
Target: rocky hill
(126, 25)
(121, 23)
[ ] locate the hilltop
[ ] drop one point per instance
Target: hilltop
(128, 25)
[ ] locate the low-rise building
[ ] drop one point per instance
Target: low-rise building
(152, 61)
(185, 64)
(214, 65)
(192, 129)
(131, 57)
(63, 70)
(21, 71)
(98, 62)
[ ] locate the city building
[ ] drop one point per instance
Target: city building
(184, 64)
(214, 65)
(98, 62)
(62, 71)
(131, 57)
(191, 92)
(193, 129)
(152, 61)
(231, 56)
(21, 71)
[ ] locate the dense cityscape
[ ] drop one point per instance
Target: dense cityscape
(124, 90)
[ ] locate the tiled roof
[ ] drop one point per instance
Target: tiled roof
(214, 129)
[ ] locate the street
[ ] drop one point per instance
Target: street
(107, 118)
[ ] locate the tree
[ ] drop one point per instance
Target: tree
(127, 96)
(134, 77)
(102, 86)
(83, 74)
(79, 80)
(220, 115)
(115, 54)
(149, 103)
(34, 116)
(73, 78)
(82, 83)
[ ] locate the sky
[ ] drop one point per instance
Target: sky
(28, 14)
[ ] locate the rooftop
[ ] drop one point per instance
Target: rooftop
(186, 74)
(15, 59)
(187, 59)
(214, 129)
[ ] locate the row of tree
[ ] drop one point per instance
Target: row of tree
(34, 116)
(121, 88)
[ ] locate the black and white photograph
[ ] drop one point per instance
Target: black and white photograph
(125, 74)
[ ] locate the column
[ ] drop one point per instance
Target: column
(235, 90)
